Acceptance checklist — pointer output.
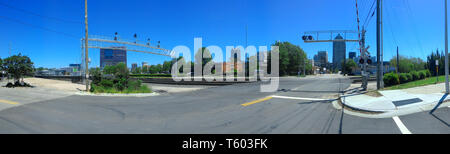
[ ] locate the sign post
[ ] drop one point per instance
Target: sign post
(437, 71)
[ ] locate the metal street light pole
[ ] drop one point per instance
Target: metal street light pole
(86, 72)
(446, 50)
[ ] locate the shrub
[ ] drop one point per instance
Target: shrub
(391, 79)
(415, 75)
(95, 75)
(150, 75)
(403, 78)
(97, 89)
(106, 83)
(428, 73)
(134, 85)
(115, 79)
(422, 75)
(409, 76)
(145, 89)
(120, 84)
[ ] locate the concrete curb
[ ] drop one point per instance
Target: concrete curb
(117, 95)
(368, 113)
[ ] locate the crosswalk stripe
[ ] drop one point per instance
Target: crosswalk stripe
(401, 126)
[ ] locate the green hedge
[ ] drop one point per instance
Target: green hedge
(150, 75)
(391, 79)
(422, 75)
(427, 73)
(415, 75)
(410, 77)
(403, 78)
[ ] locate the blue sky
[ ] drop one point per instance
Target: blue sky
(416, 26)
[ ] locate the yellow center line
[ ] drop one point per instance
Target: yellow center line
(8, 102)
(257, 101)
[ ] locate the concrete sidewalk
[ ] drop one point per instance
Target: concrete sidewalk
(391, 103)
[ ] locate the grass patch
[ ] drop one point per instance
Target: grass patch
(150, 77)
(374, 94)
(418, 83)
(111, 90)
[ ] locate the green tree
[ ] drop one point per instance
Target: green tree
(145, 70)
(96, 75)
(18, 66)
(159, 68)
(349, 65)
(201, 54)
(407, 65)
(121, 71)
(137, 70)
(292, 58)
(110, 69)
(167, 66)
(1, 65)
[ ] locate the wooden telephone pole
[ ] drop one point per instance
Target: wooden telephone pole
(86, 72)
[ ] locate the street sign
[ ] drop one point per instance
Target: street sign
(437, 62)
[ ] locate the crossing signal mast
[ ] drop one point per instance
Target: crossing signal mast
(314, 37)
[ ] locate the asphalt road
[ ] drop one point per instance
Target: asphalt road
(213, 110)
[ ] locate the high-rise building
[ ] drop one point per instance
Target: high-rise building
(339, 52)
(134, 66)
(351, 55)
(321, 59)
(114, 56)
(144, 64)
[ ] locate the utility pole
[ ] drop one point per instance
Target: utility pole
(398, 60)
(446, 51)
(364, 73)
(382, 47)
(304, 66)
(86, 74)
(379, 22)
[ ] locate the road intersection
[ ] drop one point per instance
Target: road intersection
(301, 106)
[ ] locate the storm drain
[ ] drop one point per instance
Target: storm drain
(406, 102)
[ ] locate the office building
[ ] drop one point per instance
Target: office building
(134, 66)
(351, 55)
(113, 56)
(321, 59)
(339, 52)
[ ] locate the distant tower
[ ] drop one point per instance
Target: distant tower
(339, 52)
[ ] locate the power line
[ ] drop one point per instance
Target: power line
(390, 26)
(39, 15)
(38, 27)
(414, 24)
(368, 14)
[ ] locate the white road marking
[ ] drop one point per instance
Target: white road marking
(300, 98)
(401, 126)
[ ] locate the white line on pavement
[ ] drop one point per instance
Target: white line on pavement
(401, 126)
(300, 98)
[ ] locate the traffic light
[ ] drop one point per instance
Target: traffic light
(361, 61)
(307, 38)
(304, 38)
(369, 61)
